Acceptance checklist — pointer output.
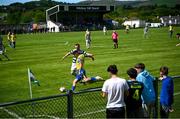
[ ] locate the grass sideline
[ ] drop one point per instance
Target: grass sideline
(42, 53)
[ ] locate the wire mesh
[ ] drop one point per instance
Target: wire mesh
(89, 105)
(84, 104)
(48, 108)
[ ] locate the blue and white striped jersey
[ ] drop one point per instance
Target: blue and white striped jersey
(79, 52)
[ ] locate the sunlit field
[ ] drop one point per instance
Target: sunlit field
(42, 53)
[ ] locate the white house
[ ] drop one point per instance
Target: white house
(166, 20)
(52, 25)
(115, 23)
(155, 25)
(137, 23)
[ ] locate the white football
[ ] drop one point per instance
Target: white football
(62, 89)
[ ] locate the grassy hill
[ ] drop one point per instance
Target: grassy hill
(166, 2)
(169, 3)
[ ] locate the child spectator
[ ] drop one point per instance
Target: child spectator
(166, 94)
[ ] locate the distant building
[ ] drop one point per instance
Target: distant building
(115, 23)
(154, 25)
(135, 23)
(166, 20)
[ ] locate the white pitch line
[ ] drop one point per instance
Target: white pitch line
(90, 113)
(11, 113)
(178, 93)
(99, 46)
(40, 116)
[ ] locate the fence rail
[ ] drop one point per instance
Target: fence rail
(84, 104)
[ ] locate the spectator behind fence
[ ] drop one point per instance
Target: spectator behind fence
(133, 100)
(148, 94)
(166, 95)
(115, 89)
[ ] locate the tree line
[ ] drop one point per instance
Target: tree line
(150, 13)
(34, 11)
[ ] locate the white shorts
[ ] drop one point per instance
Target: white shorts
(1, 52)
(88, 41)
(73, 66)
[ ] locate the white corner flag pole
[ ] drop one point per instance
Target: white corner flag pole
(30, 89)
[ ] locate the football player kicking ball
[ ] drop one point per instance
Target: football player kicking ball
(78, 51)
(81, 73)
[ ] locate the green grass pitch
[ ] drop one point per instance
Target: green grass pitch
(43, 52)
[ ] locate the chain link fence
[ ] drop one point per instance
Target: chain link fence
(85, 104)
(49, 107)
(89, 105)
(72, 105)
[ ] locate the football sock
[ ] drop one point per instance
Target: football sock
(93, 79)
(73, 88)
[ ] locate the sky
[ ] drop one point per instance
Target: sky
(7, 2)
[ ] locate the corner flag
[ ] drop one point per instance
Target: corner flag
(33, 80)
(32, 77)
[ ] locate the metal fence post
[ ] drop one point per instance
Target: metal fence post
(70, 104)
(155, 83)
